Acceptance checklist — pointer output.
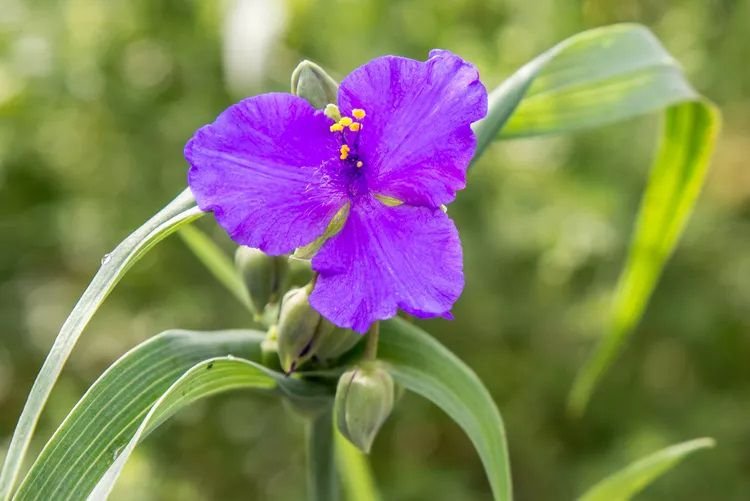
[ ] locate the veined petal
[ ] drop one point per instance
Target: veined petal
(416, 139)
(387, 258)
(267, 170)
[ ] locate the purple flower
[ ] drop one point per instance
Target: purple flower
(275, 172)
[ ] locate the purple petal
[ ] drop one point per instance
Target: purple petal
(266, 168)
(387, 258)
(416, 138)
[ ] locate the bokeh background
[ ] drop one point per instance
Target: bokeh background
(97, 100)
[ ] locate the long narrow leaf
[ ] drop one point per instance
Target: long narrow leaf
(101, 422)
(114, 265)
(629, 481)
(421, 364)
(205, 379)
(675, 182)
(603, 76)
(141, 390)
(217, 262)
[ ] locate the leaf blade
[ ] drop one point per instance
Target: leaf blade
(677, 176)
(181, 210)
(599, 77)
(216, 261)
(424, 366)
(135, 395)
(166, 355)
(629, 481)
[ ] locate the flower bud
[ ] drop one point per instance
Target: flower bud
(334, 341)
(269, 350)
(297, 329)
(364, 400)
(311, 82)
(264, 275)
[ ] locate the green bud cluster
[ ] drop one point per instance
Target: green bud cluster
(302, 333)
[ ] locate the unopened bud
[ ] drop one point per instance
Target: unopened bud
(364, 400)
(297, 329)
(264, 275)
(311, 82)
(269, 350)
(334, 341)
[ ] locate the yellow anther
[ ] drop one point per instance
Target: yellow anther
(358, 113)
(336, 127)
(344, 152)
(346, 121)
(359, 163)
(355, 126)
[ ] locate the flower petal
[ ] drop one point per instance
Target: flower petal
(416, 137)
(387, 258)
(266, 168)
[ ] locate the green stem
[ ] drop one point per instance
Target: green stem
(356, 474)
(321, 471)
(371, 348)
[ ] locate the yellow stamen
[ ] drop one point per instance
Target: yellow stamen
(336, 128)
(346, 121)
(344, 152)
(355, 126)
(359, 113)
(359, 163)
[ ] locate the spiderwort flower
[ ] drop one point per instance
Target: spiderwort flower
(275, 172)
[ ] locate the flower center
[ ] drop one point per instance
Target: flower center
(348, 129)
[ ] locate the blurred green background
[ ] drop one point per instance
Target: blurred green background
(97, 100)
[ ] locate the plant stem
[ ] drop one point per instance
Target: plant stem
(371, 348)
(321, 471)
(356, 474)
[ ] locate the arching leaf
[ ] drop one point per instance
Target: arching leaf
(180, 211)
(599, 77)
(421, 364)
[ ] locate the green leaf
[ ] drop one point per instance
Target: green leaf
(218, 263)
(603, 76)
(180, 211)
(628, 482)
(676, 179)
(140, 391)
(421, 364)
